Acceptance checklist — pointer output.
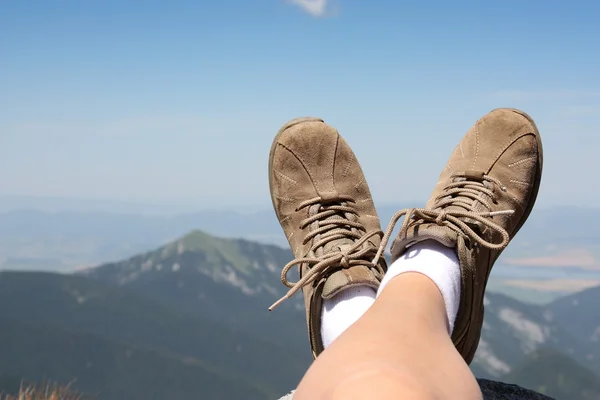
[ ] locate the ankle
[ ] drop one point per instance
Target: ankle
(415, 297)
(438, 263)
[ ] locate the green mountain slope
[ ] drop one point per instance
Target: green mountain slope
(233, 281)
(109, 370)
(203, 300)
(556, 375)
(81, 305)
(579, 314)
(512, 330)
(242, 272)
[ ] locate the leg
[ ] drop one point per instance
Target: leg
(400, 349)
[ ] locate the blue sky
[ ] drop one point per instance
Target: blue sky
(178, 102)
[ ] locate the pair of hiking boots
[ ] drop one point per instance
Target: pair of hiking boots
(323, 202)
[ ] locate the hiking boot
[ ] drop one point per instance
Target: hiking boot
(483, 196)
(325, 208)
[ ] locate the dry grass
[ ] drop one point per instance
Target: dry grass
(44, 393)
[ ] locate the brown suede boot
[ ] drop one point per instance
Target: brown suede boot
(483, 197)
(324, 205)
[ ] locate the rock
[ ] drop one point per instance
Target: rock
(492, 391)
(503, 391)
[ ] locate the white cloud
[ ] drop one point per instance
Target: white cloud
(316, 8)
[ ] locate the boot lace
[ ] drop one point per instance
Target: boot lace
(329, 222)
(457, 208)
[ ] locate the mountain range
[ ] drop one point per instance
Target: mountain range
(191, 317)
(63, 240)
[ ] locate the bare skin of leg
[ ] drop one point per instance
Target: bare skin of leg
(399, 349)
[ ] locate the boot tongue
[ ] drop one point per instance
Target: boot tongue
(356, 275)
(343, 278)
(421, 232)
(429, 231)
(337, 245)
(442, 234)
(475, 205)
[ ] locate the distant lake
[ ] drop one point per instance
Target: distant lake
(511, 271)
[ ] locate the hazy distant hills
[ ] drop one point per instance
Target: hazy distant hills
(191, 316)
(63, 240)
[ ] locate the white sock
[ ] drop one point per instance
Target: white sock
(344, 309)
(440, 264)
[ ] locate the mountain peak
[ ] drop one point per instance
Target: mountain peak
(248, 266)
(198, 239)
(214, 252)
